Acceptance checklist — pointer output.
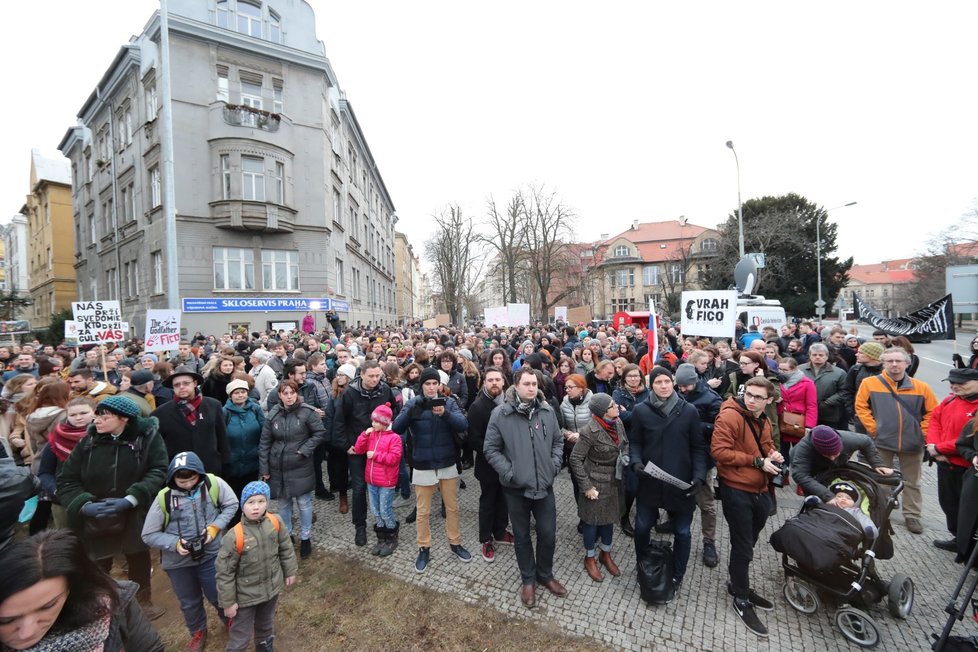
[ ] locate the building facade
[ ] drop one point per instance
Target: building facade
(279, 202)
(15, 247)
(50, 259)
(651, 260)
(884, 286)
(404, 279)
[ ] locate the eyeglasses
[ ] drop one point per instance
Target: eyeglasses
(747, 363)
(571, 387)
(183, 383)
(754, 397)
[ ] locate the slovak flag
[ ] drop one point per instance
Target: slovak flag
(653, 336)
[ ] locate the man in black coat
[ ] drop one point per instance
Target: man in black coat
(666, 431)
(193, 422)
(493, 513)
(352, 416)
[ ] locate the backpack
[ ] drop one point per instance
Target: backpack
(239, 532)
(655, 570)
(163, 497)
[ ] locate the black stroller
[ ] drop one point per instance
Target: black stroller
(826, 551)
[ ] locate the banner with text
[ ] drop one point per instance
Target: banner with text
(162, 330)
(710, 313)
(98, 321)
(933, 321)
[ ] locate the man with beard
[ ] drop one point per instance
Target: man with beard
(493, 514)
(525, 447)
(193, 422)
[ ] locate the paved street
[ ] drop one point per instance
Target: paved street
(701, 619)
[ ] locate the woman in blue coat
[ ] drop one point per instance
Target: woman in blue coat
(244, 419)
(666, 431)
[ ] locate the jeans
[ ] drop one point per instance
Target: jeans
(305, 514)
(950, 479)
(745, 514)
(259, 619)
(646, 517)
(192, 584)
(404, 473)
(493, 513)
(358, 483)
(591, 535)
(382, 505)
(544, 510)
(449, 495)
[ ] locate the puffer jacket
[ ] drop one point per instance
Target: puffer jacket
(430, 438)
(886, 421)
(574, 417)
(947, 424)
(288, 439)
(734, 447)
(190, 513)
(524, 449)
(258, 574)
(129, 629)
(383, 467)
(244, 426)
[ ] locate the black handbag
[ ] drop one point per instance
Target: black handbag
(655, 572)
(106, 525)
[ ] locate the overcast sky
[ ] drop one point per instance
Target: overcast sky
(622, 108)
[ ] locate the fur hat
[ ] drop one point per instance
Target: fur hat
(382, 414)
(826, 440)
(120, 405)
(599, 404)
(872, 350)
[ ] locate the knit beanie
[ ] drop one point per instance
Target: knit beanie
(872, 350)
(686, 374)
(151, 356)
(443, 377)
(382, 414)
(465, 353)
(120, 405)
(253, 489)
(826, 440)
(659, 371)
(599, 404)
(347, 370)
(429, 373)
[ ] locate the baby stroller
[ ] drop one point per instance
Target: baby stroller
(825, 551)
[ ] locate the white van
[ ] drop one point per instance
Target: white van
(761, 312)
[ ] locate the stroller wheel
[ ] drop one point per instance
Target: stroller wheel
(800, 596)
(900, 598)
(857, 626)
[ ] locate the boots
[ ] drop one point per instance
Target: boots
(265, 646)
(591, 566)
(344, 503)
(381, 534)
(605, 558)
(151, 611)
(390, 540)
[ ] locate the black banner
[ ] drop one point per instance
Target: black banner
(935, 321)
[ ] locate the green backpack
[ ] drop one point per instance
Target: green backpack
(163, 497)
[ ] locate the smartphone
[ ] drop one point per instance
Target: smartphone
(438, 401)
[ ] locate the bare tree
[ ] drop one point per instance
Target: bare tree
(949, 247)
(507, 236)
(549, 230)
(456, 260)
(675, 276)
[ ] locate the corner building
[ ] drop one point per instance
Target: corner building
(280, 205)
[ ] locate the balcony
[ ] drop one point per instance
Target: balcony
(239, 115)
(252, 216)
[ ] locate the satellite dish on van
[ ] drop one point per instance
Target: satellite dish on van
(745, 274)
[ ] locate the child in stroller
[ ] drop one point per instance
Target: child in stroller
(851, 499)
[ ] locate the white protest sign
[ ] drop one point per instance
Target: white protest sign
(518, 314)
(498, 316)
(560, 313)
(710, 313)
(98, 321)
(71, 333)
(162, 330)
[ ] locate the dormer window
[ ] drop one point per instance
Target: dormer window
(249, 17)
(622, 251)
(710, 244)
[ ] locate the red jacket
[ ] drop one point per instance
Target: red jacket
(800, 398)
(945, 426)
(383, 467)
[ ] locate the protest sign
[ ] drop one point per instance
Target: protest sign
(560, 313)
(98, 321)
(71, 333)
(162, 330)
(710, 313)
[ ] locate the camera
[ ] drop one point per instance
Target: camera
(777, 480)
(195, 546)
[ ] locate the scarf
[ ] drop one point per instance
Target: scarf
(610, 428)
(90, 638)
(791, 378)
(64, 437)
(664, 405)
(525, 408)
(498, 400)
(190, 407)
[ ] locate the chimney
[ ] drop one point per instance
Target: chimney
(634, 225)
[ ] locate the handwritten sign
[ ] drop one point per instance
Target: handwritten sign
(98, 321)
(162, 330)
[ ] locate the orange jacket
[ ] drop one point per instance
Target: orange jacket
(735, 449)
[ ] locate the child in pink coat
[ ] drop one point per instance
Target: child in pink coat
(383, 449)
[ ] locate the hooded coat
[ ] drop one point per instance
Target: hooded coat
(244, 425)
(288, 439)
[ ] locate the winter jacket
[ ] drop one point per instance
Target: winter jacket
(190, 514)
(525, 449)
(257, 574)
(594, 463)
(946, 424)
(215, 386)
(736, 390)
(430, 439)
(854, 379)
(100, 466)
(207, 437)
(800, 398)
(478, 416)
(734, 447)
(383, 467)
(574, 417)
(601, 386)
(707, 403)
(265, 382)
(353, 410)
(288, 439)
(674, 442)
(244, 425)
(460, 388)
(16, 486)
(39, 423)
(807, 463)
(886, 421)
(830, 383)
(129, 628)
(145, 407)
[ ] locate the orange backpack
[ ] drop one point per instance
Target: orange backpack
(239, 532)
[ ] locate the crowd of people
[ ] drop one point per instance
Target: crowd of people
(116, 451)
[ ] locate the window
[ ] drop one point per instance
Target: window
(710, 244)
(111, 281)
(92, 231)
(89, 167)
(157, 260)
(132, 279)
(280, 182)
(223, 14)
(274, 27)
(623, 277)
(622, 304)
(249, 19)
(650, 275)
(251, 94)
(337, 216)
(277, 96)
(245, 16)
(252, 178)
(676, 273)
(51, 264)
(356, 284)
(125, 128)
(152, 104)
(155, 188)
(280, 270)
(340, 283)
(124, 196)
(106, 217)
(622, 250)
(225, 176)
(223, 92)
(234, 269)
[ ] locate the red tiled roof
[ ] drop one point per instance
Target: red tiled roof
(889, 271)
(657, 231)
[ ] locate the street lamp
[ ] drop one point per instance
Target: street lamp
(740, 206)
(820, 304)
